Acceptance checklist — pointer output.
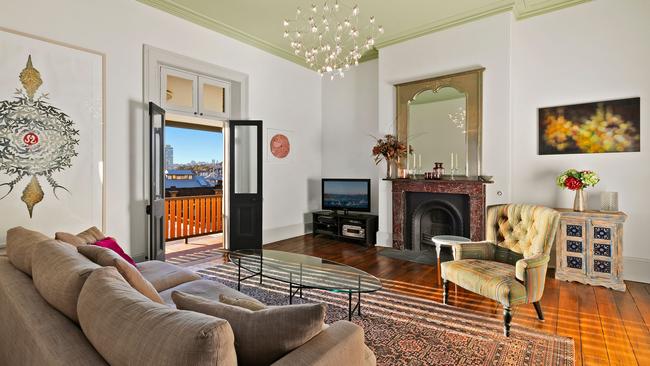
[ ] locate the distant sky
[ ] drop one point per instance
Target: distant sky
(194, 145)
(343, 187)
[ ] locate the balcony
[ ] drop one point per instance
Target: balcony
(193, 216)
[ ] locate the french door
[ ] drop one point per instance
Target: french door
(245, 185)
(156, 206)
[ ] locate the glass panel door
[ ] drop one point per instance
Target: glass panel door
(179, 91)
(156, 207)
(214, 97)
(245, 185)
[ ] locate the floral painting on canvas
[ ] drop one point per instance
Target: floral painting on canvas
(600, 127)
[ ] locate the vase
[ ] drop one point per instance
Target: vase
(438, 171)
(579, 202)
(391, 169)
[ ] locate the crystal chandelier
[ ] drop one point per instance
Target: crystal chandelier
(331, 37)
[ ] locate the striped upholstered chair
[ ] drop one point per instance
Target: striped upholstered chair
(510, 266)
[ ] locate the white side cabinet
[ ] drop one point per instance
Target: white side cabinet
(194, 95)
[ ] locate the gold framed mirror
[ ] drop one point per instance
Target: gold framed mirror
(440, 116)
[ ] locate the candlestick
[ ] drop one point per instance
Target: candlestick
(451, 157)
(419, 162)
(456, 163)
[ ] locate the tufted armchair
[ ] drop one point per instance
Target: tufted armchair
(510, 266)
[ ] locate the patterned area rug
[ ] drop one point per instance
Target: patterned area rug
(406, 330)
(204, 253)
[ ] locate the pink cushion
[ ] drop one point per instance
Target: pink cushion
(111, 244)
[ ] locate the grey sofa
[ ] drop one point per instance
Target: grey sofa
(32, 332)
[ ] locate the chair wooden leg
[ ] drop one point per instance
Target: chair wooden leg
(445, 291)
(507, 317)
(538, 308)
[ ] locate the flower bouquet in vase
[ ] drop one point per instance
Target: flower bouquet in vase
(389, 148)
(576, 180)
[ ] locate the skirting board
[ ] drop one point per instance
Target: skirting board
(384, 239)
(636, 269)
(285, 232)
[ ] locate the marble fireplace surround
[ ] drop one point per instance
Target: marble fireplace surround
(475, 189)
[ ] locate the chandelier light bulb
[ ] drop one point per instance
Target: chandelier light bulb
(331, 52)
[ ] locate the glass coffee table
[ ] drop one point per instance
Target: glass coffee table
(301, 271)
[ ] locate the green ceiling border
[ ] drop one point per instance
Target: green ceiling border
(188, 14)
(462, 18)
(524, 11)
(520, 9)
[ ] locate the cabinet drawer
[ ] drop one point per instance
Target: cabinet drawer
(574, 263)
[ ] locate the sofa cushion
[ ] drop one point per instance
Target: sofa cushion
(34, 333)
(88, 236)
(264, 336)
(59, 273)
(91, 235)
(20, 247)
(135, 279)
(110, 243)
(100, 255)
(491, 279)
(163, 275)
(106, 257)
(69, 238)
(206, 289)
(252, 305)
(128, 329)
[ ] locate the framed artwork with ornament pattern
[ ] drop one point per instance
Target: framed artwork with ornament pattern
(280, 145)
(51, 135)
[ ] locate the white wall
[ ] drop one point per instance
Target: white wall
(350, 121)
(483, 43)
(284, 95)
(596, 51)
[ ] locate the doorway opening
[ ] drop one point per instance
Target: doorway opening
(194, 181)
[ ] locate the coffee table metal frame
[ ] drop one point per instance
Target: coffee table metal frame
(296, 288)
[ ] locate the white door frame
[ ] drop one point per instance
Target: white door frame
(154, 59)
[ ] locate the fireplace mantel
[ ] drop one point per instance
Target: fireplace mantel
(474, 188)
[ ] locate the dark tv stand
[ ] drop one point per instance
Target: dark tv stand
(358, 227)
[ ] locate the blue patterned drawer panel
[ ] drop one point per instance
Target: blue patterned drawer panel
(574, 246)
(574, 262)
(604, 250)
(603, 233)
(574, 230)
(602, 266)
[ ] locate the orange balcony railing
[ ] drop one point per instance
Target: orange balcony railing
(193, 216)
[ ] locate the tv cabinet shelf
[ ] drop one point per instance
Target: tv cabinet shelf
(358, 227)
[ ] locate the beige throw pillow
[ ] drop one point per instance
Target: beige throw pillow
(136, 280)
(21, 244)
(264, 336)
(100, 255)
(88, 236)
(128, 329)
(91, 235)
(242, 303)
(108, 258)
(69, 238)
(59, 273)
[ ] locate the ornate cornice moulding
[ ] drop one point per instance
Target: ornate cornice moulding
(521, 8)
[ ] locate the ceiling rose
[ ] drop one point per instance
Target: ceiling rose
(331, 37)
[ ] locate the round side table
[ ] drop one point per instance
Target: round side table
(447, 240)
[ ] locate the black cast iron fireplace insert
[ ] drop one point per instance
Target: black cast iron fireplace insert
(430, 214)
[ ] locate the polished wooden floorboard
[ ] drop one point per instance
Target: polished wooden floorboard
(609, 327)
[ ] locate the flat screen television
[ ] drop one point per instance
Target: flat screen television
(346, 194)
